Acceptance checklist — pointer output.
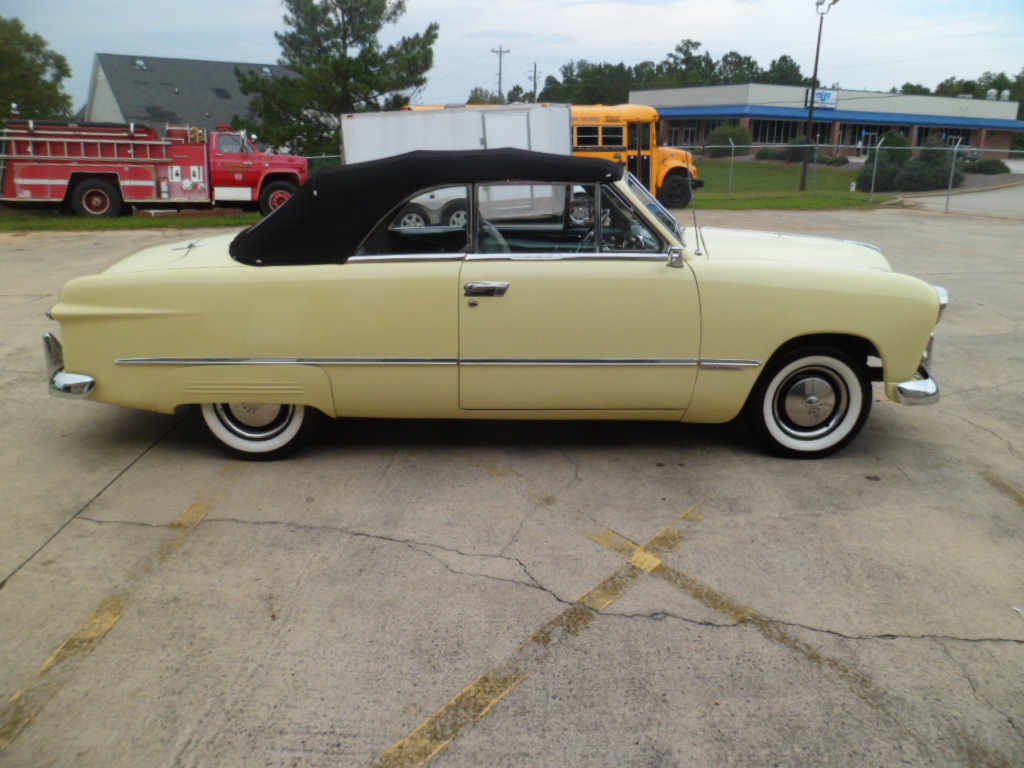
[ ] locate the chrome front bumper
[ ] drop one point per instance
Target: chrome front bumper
(62, 383)
(921, 390)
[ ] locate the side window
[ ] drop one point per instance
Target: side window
(622, 228)
(537, 219)
(588, 135)
(613, 136)
(227, 142)
(427, 224)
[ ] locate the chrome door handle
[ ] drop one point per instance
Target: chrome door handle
(485, 289)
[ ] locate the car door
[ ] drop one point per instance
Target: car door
(589, 321)
(233, 169)
(388, 325)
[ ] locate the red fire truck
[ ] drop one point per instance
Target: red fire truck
(101, 169)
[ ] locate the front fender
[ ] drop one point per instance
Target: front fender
(749, 310)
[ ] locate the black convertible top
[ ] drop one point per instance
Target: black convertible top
(327, 219)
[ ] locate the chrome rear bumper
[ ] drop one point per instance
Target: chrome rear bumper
(62, 383)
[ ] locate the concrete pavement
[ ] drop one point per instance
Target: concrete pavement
(522, 594)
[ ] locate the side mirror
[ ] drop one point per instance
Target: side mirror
(675, 257)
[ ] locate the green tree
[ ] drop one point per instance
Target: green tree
(784, 71)
(684, 66)
(516, 95)
(734, 68)
(340, 67)
(483, 96)
(914, 89)
(31, 75)
(584, 82)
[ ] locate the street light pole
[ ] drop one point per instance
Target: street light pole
(814, 88)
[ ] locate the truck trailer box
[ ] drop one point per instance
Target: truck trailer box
(538, 127)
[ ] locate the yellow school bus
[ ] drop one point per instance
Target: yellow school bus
(628, 133)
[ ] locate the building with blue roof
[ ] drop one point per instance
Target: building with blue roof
(775, 114)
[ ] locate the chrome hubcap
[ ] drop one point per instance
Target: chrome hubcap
(255, 421)
(811, 403)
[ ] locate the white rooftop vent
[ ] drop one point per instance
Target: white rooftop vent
(141, 64)
(990, 94)
(266, 72)
(1004, 96)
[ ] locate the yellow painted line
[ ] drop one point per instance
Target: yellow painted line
(1005, 487)
(26, 704)
(670, 539)
(484, 693)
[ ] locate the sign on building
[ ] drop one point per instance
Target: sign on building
(823, 99)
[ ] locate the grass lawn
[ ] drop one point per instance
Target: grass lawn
(52, 221)
(771, 184)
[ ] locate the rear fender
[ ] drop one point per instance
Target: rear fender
(247, 383)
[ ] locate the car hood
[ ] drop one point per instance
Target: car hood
(720, 243)
(198, 253)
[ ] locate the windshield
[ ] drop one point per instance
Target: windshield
(654, 206)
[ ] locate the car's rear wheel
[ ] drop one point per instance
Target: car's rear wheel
(809, 403)
(259, 431)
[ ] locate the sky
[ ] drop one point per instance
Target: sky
(865, 44)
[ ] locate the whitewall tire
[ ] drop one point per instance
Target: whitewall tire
(259, 431)
(809, 403)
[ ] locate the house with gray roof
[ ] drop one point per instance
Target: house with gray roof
(158, 91)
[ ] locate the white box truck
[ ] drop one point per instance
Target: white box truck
(539, 127)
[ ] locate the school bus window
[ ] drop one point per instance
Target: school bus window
(588, 136)
(612, 136)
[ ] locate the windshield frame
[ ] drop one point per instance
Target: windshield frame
(654, 206)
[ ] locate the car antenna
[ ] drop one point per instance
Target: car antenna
(698, 237)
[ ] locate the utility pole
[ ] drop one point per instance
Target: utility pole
(501, 52)
(535, 82)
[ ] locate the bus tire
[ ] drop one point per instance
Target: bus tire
(676, 192)
(96, 198)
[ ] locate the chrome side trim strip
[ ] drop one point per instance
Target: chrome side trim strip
(710, 364)
(285, 361)
(728, 365)
(629, 361)
(405, 259)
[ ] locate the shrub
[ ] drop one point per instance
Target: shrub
(718, 141)
(795, 149)
(989, 166)
(885, 177)
(920, 176)
(896, 149)
(769, 153)
(837, 160)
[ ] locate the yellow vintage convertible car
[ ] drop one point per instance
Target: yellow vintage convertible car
(564, 291)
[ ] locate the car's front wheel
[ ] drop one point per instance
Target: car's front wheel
(809, 403)
(259, 431)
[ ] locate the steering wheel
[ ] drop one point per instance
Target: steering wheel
(491, 240)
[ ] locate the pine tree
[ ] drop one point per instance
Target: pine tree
(340, 67)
